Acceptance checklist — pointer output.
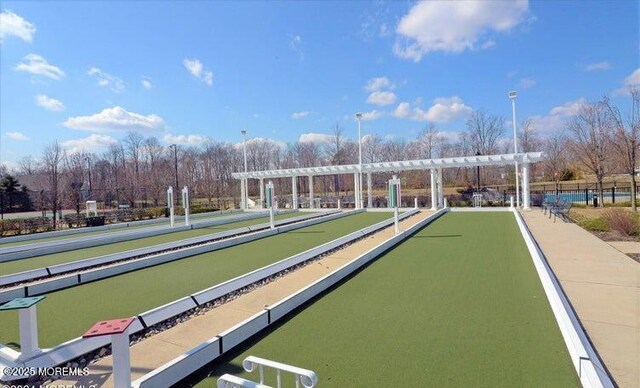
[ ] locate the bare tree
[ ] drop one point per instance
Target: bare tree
(555, 163)
(589, 145)
(625, 138)
(528, 137)
(483, 132)
(27, 165)
(52, 158)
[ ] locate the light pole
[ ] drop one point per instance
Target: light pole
(513, 95)
(88, 160)
(244, 180)
(175, 159)
(359, 117)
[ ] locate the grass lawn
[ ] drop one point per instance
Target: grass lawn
(459, 304)
(66, 314)
(15, 266)
(99, 232)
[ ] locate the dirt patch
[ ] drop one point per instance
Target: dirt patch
(613, 236)
(634, 256)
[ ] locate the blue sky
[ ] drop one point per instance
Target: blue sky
(87, 72)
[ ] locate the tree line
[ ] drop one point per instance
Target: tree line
(597, 141)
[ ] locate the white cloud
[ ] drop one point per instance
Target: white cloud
(49, 103)
(15, 25)
(299, 115)
(295, 42)
(378, 83)
(35, 64)
(557, 116)
(316, 138)
(455, 26)
(116, 119)
(196, 69)
(403, 110)
(17, 136)
(443, 110)
(633, 80)
(370, 116)
(526, 83)
(107, 80)
(381, 98)
(184, 139)
(91, 143)
(146, 82)
(598, 66)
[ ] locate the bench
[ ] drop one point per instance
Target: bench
(562, 210)
(554, 201)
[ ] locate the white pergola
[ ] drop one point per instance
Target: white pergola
(435, 166)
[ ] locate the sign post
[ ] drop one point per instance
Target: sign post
(269, 200)
(170, 204)
(185, 204)
(394, 200)
(28, 324)
(118, 329)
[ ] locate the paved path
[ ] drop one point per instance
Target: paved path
(159, 349)
(626, 246)
(603, 284)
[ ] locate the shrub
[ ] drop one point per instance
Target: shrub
(204, 209)
(594, 224)
(622, 221)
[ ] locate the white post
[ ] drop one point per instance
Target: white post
(339, 205)
(511, 201)
(28, 332)
(294, 192)
(515, 146)
(369, 198)
(170, 204)
(185, 204)
(396, 220)
(445, 204)
(311, 204)
(415, 202)
(242, 207)
(440, 189)
(121, 360)
(525, 186)
(434, 198)
(270, 201)
(261, 193)
(356, 195)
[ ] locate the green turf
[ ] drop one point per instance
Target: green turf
(86, 253)
(69, 313)
(457, 305)
(102, 232)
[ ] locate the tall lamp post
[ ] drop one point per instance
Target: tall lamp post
(244, 180)
(359, 118)
(175, 160)
(512, 96)
(88, 160)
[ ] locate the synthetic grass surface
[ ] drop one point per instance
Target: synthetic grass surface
(66, 314)
(99, 232)
(87, 253)
(459, 304)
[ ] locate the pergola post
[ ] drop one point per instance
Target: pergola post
(525, 186)
(261, 193)
(440, 189)
(311, 204)
(434, 197)
(294, 191)
(369, 198)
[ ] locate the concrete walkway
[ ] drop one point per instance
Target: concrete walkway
(603, 284)
(159, 349)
